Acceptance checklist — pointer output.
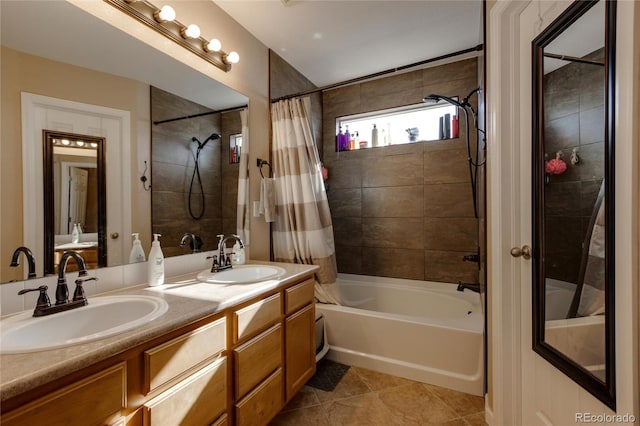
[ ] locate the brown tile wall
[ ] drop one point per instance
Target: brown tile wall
(402, 211)
(172, 168)
(574, 118)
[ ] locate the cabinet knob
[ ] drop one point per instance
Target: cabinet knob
(524, 252)
(114, 235)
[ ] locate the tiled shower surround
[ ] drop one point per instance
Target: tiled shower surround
(575, 119)
(403, 211)
(172, 167)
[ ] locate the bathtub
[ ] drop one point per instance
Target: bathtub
(423, 331)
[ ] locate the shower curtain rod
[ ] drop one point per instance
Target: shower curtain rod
(572, 59)
(202, 114)
(380, 73)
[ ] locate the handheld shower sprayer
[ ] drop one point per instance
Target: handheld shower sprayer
(196, 173)
(473, 164)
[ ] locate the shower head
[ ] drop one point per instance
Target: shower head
(201, 145)
(431, 99)
(434, 99)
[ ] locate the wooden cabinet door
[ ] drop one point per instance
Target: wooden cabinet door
(300, 349)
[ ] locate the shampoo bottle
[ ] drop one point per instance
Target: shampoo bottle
(374, 136)
(347, 138)
(137, 254)
(155, 272)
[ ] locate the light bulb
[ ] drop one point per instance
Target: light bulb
(232, 58)
(213, 45)
(65, 142)
(79, 143)
(165, 14)
(192, 31)
(94, 145)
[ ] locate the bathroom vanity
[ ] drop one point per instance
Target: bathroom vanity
(220, 355)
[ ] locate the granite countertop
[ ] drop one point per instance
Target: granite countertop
(189, 300)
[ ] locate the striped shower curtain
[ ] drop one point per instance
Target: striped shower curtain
(302, 232)
(242, 211)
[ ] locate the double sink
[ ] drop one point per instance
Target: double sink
(106, 316)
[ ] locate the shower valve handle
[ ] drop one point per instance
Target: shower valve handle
(524, 252)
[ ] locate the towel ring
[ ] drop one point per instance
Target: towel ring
(261, 163)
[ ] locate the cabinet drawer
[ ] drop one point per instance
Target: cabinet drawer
(169, 360)
(255, 317)
(200, 399)
(90, 401)
(256, 359)
(299, 295)
(261, 405)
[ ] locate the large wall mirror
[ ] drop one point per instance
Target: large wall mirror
(43, 54)
(573, 187)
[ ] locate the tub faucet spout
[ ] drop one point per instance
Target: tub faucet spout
(195, 244)
(475, 287)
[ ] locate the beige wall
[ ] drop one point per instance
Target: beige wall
(32, 74)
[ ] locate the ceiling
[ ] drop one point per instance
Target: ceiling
(331, 41)
(328, 41)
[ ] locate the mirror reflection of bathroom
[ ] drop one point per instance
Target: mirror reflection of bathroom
(73, 181)
(574, 147)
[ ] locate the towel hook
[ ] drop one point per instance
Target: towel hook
(260, 162)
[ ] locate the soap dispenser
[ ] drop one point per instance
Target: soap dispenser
(137, 253)
(238, 254)
(155, 265)
(75, 234)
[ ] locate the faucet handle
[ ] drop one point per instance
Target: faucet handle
(43, 298)
(78, 293)
(214, 266)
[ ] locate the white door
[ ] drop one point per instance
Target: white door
(42, 112)
(524, 388)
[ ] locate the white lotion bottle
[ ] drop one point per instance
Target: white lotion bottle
(137, 253)
(155, 265)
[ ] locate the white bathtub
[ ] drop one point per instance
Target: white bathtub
(424, 331)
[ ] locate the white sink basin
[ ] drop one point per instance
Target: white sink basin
(103, 317)
(242, 274)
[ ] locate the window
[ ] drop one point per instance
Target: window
(420, 122)
(235, 146)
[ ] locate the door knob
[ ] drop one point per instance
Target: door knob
(524, 252)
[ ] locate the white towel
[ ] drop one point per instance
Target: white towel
(268, 199)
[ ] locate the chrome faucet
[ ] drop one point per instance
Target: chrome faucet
(43, 305)
(195, 244)
(223, 261)
(31, 261)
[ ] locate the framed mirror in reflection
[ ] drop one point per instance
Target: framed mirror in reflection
(74, 198)
(573, 227)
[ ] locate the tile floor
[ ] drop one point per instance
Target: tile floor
(368, 398)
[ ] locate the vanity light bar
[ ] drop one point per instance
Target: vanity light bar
(187, 36)
(74, 143)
